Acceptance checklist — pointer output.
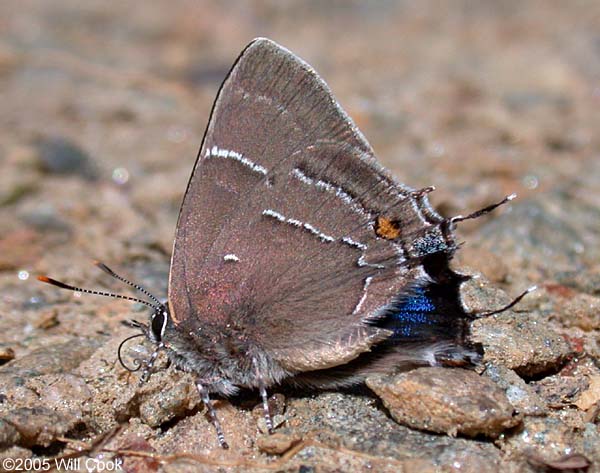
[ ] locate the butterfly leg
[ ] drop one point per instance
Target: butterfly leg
(149, 364)
(262, 389)
(265, 403)
(212, 413)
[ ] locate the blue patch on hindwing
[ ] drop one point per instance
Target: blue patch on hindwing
(413, 316)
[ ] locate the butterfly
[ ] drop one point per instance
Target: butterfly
(297, 257)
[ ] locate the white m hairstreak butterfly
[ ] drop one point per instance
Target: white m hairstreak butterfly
(297, 257)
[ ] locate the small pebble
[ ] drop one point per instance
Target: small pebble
(560, 391)
(276, 444)
(443, 400)
(159, 405)
(44, 217)
(277, 420)
(38, 425)
(54, 358)
(276, 406)
(6, 354)
(9, 435)
(590, 398)
(521, 343)
(58, 155)
(521, 395)
(47, 319)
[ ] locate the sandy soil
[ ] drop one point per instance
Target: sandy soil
(103, 108)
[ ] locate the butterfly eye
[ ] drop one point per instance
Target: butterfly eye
(159, 324)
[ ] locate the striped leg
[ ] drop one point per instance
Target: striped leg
(265, 398)
(212, 414)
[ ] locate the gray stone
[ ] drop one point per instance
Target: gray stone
(59, 155)
(451, 401)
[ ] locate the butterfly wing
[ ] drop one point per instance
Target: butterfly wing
(290, 231)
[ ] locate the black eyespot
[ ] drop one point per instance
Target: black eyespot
(158, 324)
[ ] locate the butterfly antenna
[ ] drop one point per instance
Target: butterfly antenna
(483, 211)
(510, 305)
(62, 285)
(110, 272)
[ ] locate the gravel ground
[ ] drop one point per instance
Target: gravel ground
(103, 108)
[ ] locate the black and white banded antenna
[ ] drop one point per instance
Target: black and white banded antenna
(157, 305)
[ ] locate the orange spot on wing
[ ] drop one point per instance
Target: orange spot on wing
(386, 228)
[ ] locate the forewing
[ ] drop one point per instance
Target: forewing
(279, 234)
